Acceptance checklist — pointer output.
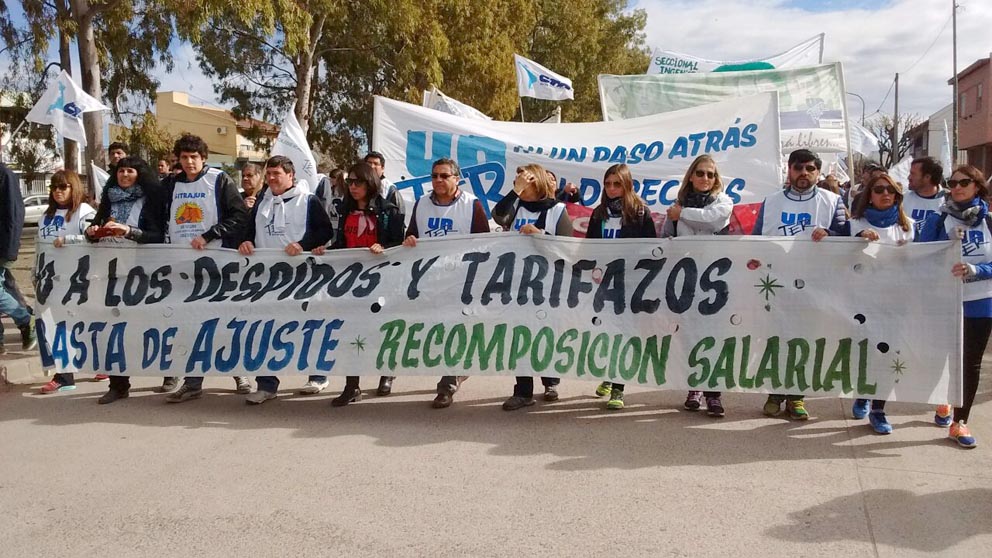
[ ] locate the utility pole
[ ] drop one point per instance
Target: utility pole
(954, 134)
(895, 128)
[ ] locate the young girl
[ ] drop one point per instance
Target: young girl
(701, 207)
(621, 214)
(367, 220)
(878, 215)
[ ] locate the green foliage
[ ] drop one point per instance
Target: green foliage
(147, 139)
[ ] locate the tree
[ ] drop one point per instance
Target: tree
(147, 139)
(881, 126)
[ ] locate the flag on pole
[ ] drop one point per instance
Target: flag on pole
(534, 80)
(945, 152)
(862, 140)
(436, 100)
(100, 178)
(62, 106)
(292, 143)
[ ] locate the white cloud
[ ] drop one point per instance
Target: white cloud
(872, 45)
(187, 77)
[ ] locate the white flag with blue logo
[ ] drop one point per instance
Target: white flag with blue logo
(534, 80)
(62, 106)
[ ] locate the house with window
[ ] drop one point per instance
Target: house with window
(974, 116)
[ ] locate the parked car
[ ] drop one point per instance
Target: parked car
(34, 208)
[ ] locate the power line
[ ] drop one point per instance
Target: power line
(913, 65)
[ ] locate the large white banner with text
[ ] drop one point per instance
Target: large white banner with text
(840, 317)
(806, 53)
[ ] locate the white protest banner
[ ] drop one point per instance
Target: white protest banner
(292, 143)
(741, 135)
(811, 100)
(717, 313)
(436, 100)
(806, 53)
(62, 106)
(534, 80)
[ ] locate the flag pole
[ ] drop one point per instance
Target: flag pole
(522, 109)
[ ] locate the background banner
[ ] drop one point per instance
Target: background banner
(713, 313)
(811, 99)
(741, 135)
(806, 53)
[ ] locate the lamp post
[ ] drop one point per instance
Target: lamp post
(862, 99)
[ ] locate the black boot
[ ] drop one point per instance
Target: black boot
(352, 392)
(112, 395)
(385, 385)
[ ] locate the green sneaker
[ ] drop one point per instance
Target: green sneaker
(797, 409)
(604, 389)
(616, 400)
(773, 406)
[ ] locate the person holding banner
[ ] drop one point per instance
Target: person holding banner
(129, 212)
(204, 206)
(446, 211)
(700, 207)
(534, 211)
(965, 215)
(621, 214)
(367, 220)
(289, 218)
(800, 210)
(878, 215)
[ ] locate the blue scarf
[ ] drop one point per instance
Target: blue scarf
(882, 218)
(122, 200)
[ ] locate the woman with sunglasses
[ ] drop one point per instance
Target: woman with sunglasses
(65, 222)
(533, 210)
(700, 207)
(131, 211)
(965, 214)
(878, 215)
(367, 220)
(621, 214)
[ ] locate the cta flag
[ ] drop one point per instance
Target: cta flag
(534, 80)
(806, 53)
(292, 143)
(62, 107)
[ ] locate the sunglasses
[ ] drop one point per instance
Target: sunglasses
(799, 167)
(708, 174)
(883, 189)
(964, 183)
(441, 175)
(351, 181)
(62, 187)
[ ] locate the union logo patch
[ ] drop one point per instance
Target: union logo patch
(189, 213)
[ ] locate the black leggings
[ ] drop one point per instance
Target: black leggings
(976, 338)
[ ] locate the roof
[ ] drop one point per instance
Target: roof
(975, 66)
(263, 126)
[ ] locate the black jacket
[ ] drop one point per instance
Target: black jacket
(11, 214)
(643, 228)
(151, 224)
(389, 224)
(319, 228)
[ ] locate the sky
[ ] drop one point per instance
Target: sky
(873, 39)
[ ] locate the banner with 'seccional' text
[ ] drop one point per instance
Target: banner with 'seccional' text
(806, 53)
(741, 135)
(836, 318)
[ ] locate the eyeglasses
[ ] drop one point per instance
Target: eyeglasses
(616, 183)
(351, 181)
(883, 189)
(708, 174)
(62, 187)
(441, 175)
(964, 183)
(799, 167)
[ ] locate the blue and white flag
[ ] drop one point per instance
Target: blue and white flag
(62, 106)
(534, 80)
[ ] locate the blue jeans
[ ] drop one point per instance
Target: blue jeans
(10, 305)
(271, 383)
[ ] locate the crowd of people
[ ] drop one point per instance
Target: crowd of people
(360, 208)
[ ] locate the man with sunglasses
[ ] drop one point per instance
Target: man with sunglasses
(925, 195)
(447, 210)
(801, 210)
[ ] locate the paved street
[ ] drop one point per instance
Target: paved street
(393, 477)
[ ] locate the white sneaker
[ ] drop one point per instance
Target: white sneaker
(259, 397)
(313, 388)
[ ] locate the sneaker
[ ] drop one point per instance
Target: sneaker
(111, 396)
(860, 408)
(879, 423)
(184, 393)
(797, 409)
(53, 386)
(550, 393)
(942, 416)
(243, 386)
(168, 384)
(960, 433)
(260, 396)
(773, 406)
(28, 338)
(693, 401)
(616, 400)
(714, 407)
(442, 401)
(313, 388)
(604, 389)
(515, 402)
(101, 378)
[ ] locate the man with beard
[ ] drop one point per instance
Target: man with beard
(925, 195)
(801, 210)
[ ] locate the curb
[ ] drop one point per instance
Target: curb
(23, 370)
